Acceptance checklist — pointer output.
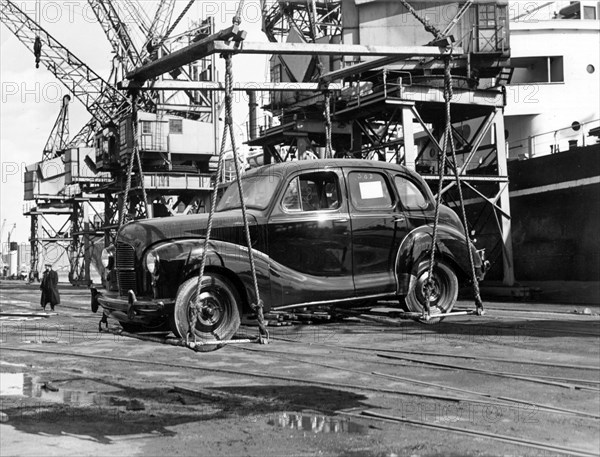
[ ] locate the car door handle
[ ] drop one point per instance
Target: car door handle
(340, 221)
(399, 219)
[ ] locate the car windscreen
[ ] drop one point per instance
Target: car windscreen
(258, 192)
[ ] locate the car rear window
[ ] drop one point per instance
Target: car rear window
(411, 197)
(369, 190)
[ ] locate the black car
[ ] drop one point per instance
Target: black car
(323, 232)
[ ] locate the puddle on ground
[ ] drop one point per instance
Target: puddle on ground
(24, 385)
(316, 423)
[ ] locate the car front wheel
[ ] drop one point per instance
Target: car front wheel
(213, 318)
(443, 293)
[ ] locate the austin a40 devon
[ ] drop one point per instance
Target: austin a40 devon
(324, 232)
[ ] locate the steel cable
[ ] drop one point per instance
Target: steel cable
(175, 24)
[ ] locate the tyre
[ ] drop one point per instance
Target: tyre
(218, 318)
(443, 295)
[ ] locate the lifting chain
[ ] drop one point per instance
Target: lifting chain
(327, 115)
(228, 130)
(135, 156)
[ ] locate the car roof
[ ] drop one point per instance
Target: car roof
(286, 168)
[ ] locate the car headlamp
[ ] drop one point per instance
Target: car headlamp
(152, 260)
(107, 258)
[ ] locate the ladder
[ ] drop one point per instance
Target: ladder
(505, 76)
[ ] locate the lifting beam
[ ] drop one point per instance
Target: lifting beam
(215, 85)
(221, 43)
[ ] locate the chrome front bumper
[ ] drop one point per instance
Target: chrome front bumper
(130, 306)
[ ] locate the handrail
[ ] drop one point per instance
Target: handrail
(553, 138)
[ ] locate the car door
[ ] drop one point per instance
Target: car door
(378, 227)
(309, 239)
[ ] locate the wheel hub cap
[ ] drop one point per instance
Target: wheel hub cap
(431, 287)
(211, 309)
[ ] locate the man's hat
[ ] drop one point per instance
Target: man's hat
(47, 264)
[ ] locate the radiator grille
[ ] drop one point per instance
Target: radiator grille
(126, 274)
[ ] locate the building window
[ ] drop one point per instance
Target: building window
(176, 126)
(492, 33)
(557, 72)
(538, 70)
(146, 127)
(123, 133)
(589, 12)
(487, 16)
(276, 74)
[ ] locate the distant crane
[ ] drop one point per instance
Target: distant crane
(1, 250)
(9, 250)
(2, 229)
(10, 234)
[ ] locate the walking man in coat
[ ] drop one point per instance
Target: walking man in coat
(49, 288)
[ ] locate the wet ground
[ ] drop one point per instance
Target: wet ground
(522, 380)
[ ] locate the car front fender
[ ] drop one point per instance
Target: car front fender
(417, 246)
(181, 259)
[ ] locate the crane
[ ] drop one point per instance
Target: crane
(104, 102)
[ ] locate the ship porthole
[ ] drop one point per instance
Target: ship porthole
(591, 69)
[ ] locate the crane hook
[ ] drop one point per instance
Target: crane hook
(37, 51)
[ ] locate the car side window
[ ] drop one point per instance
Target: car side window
(411, 196)
(369, 190)
(312, 192)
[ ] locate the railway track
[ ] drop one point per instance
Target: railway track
(366, 414)
(541, 406)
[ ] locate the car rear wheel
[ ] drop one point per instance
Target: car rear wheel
(214, 318)
(444, 291)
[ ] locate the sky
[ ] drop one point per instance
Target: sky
(31, 98)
